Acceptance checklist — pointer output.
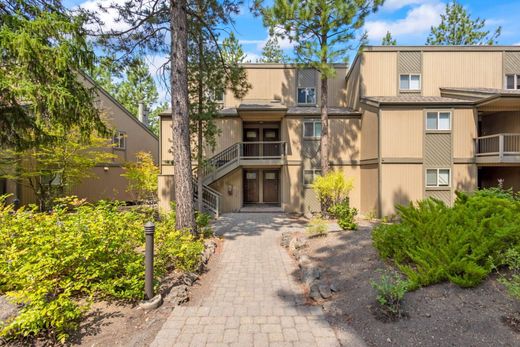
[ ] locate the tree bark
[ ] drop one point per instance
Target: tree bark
(200, 92)
(181, 129)
(324, 141)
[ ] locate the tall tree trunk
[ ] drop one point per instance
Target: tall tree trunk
(200, 96)
(181, 128)
(324, 143)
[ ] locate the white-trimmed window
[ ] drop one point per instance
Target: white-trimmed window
(312, 128)
(438, 120)
(310, 175)
(119, 140)
(512, 82)
(410, 82)
(438, 177)
(307, 96)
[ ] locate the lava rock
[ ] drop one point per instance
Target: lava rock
(314, 292)
(334, 287)
(286, 239)
(324, 291)
(178, 295)
(310, 274)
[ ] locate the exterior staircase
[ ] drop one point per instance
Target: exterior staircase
(231, 158)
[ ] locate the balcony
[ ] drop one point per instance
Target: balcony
(498, 149)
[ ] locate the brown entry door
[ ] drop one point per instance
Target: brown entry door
(251, 149)
(251, 191)
(271, 186)
(271, 149)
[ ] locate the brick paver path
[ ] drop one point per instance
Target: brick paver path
(255, 300)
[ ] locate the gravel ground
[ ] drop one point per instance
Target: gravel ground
(439, 315)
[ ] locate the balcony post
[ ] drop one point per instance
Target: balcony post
(501, 146)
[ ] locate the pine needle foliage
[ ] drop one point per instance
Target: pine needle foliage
(436, 243)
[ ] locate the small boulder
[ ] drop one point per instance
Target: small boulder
(178, 295)
(286, 239)
(309, 274)
(334, 287)
(297, 243)
(325, 291)
(189, 278)
(314, 292)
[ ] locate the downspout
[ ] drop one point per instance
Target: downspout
(379, 165)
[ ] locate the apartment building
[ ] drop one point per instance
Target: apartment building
(131, 136)
(407, 122)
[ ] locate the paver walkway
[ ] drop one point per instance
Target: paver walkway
(254, 300)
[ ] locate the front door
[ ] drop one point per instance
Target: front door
(271, 186)
(251, 187)
(251, 149)
(271, 149)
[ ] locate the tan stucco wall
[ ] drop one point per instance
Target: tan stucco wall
(401, 184)
(230, 202)
(345, 139)
(292, 188)
(461, 69)
(401, 133)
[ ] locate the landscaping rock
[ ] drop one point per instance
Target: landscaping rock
(296, 244)
(286, 239)
(325, 291)
(178, 295)
(314, 292)
(7, 310)
(304, 261)
(310, 274)
(334, 287)
(151, 304)
(189, 278)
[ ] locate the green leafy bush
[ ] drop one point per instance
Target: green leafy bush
(317, 226)
(390, 289)
(345, 215)
(512, 280)
(54, 264)
(203, 224)
(331, 189)
(435, 243)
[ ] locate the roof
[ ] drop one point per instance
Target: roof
(277, 107)
(451, 48)
(261, 105)
(413, 100)
(316, 111)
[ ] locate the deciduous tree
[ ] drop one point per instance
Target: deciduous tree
(458, 28)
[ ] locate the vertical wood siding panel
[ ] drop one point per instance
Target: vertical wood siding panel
(401, 184)
(464, 132)
(401, 133)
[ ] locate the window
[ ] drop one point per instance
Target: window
(307, 96)
(312, 128)
(409, 82)
(438, 120)
(438, 177)
(310, 175)
(119, 140)
(512, 81)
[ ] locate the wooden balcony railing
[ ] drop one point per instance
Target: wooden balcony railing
(505, 147)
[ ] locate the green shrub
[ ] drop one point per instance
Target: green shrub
(54, 264)
(435, 243)
(344, 214)
(332, 189)
(390, 289)
(512, 281)
(203, 224)
(317, 226)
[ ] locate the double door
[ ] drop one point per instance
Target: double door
(261, 186)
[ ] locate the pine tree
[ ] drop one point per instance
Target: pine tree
(458, 28)
(43, 47)
(272, 53)
(388, 40)
(323, 32)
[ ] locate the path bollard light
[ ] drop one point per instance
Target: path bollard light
(149, 230)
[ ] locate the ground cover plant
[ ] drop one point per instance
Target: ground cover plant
(435, 243)
(54, 264)
(317, 226)
(390, 289)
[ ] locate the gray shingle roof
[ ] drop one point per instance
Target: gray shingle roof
(413, 99)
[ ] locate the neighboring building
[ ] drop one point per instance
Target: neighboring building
(406, 123)
(131, 136)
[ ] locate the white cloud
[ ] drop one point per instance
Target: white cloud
(108, 17)
(516, 44)
(251, 42)
(393, 5)
(284, 43)
(418, 21)
(252, 57)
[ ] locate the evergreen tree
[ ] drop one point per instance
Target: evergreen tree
(148, 26)
(323, 31)
(43, 47)
(272, 53)
(458, 28)
(388, 40)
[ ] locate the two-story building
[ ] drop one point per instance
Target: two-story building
(407, 122)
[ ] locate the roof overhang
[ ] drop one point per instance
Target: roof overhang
(487, 100)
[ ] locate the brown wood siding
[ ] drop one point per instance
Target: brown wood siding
(442, 195)
(437, 150)
(409, 62)
(461, 69)
(369, 189)
(464, 132)
(369, 135)
(401, 184)
(292, 188)
(511, 63)
(379, 74)
(353, 86)
(401, 133)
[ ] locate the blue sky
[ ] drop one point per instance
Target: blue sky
(409, 21)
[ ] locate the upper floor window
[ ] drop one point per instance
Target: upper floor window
(119, 140)
(438, 177)
(410, 82)
(307, 96)
(310, 175)
(438, 120)
(312, 128)
(512, 81)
